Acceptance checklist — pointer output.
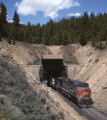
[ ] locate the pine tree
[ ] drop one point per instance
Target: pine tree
(85, 19)
(83, 41)
(3, 21)
(29, 26)
(16, 23)
(28, 36)
(3, 12)
(60, 38)
(92, 16)
(38, 33)
(93, 41)
(46, 36)
(16, 20)
(101, 46)
(0, 28)
(65, 38)
(51, 27)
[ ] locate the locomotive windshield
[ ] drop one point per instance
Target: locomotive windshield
(83, 85)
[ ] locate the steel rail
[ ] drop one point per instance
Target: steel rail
(96, 118)
(97, 115)
(105, 115)
(100, 114)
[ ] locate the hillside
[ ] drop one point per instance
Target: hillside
(94, 71)
(21, 95)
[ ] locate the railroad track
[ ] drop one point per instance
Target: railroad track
(95, 113)
(91, 113)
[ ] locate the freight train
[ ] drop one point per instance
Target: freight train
(76, 90)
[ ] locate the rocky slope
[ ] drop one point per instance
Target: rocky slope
(94, 71)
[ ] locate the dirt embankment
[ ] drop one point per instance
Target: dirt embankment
(93, 63)
(24, 53)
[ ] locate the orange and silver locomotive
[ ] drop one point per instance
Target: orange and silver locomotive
(76, 90)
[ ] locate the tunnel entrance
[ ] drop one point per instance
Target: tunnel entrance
(52, 66)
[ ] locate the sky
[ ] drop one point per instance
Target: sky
(41, 11)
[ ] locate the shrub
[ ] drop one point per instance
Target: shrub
(9, 114)
(14, 84)
(9, 40)
(43, 100)
(61, 114)
(51, 116)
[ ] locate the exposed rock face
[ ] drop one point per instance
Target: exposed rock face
(24, 53)
(94, 72)
(73, 70)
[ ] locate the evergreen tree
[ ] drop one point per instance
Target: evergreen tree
(16, 23)
(28, 36)
(3, 13)
(38, 33)
(65, 38)
(46, 36)
(3, 21)
(51, 27)
(92, 16)
(82, 38)
(60, 39)
(29, 27)
(93, 41)
(85, 19)
(0, 28)
(33, 30)
(16, 20)
(101, 46)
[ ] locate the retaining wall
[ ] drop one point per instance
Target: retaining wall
(72, 70)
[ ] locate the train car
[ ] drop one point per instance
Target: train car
(76, 90)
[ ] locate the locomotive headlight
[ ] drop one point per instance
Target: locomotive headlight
(53, 81)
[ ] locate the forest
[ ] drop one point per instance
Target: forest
(83, 29)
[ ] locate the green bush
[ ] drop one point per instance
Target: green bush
(9, 114)
(13, 82)
(43, 100)
(61, 114)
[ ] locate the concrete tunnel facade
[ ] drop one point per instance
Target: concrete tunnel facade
(72, 70)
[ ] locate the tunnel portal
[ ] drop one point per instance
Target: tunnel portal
(52, 66)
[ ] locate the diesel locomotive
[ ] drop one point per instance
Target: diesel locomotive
(76, 90)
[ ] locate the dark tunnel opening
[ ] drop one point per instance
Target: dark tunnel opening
(52, 67)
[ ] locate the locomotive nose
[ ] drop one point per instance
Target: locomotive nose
(85, 93)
